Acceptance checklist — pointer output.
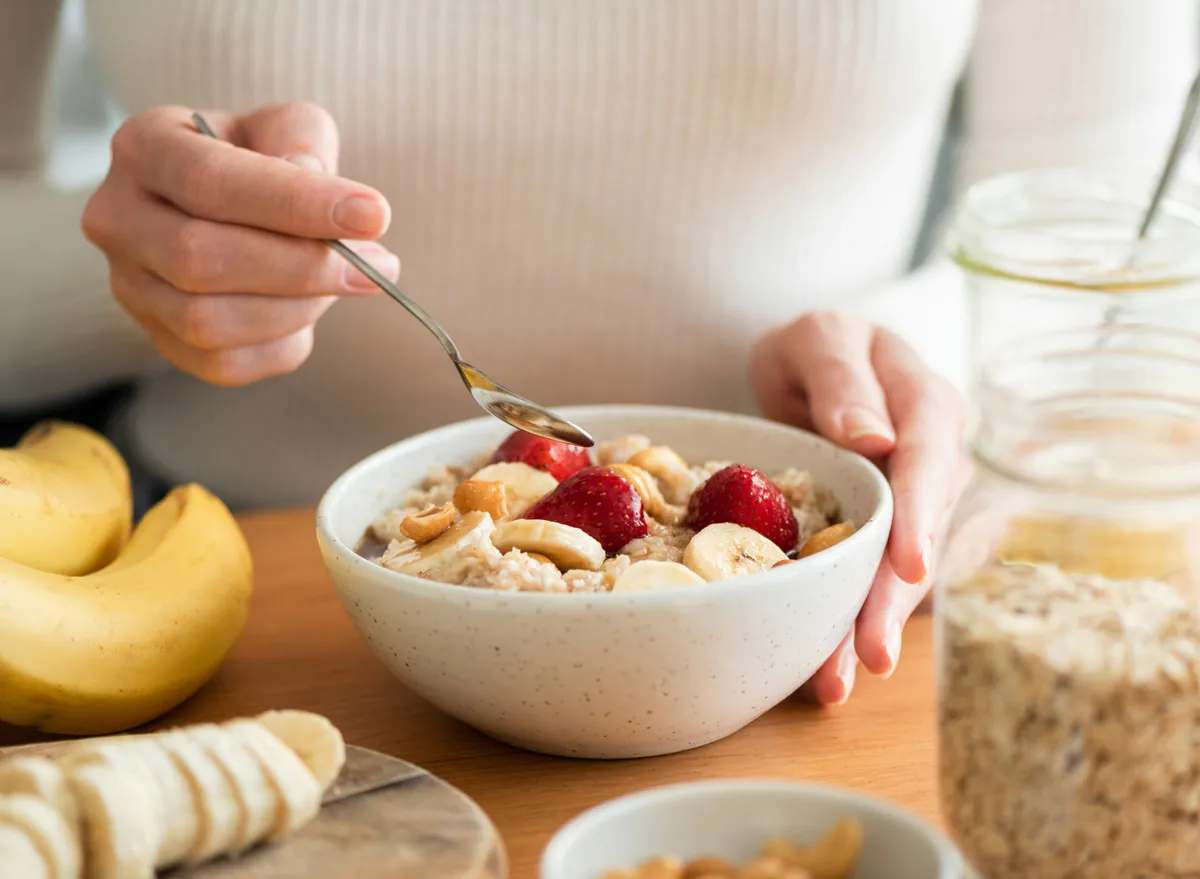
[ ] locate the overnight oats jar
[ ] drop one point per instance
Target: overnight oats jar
(1056, 249)
(1068, 603)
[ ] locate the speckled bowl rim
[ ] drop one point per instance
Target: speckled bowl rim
(950, 862)
(880, 517)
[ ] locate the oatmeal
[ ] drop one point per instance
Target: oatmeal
(538, 516)
(1070, 720)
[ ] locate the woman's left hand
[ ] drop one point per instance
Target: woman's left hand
(865, 389)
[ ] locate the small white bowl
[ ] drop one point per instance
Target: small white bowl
(733, 819)
(610, 675)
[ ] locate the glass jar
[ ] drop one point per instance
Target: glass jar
(1056, 249)
(1068, 604)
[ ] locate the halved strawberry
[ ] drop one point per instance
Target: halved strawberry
(560, 460)
(744, 496)
(598, 501)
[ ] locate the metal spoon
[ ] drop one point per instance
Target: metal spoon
(497, 400)
(1183, 134)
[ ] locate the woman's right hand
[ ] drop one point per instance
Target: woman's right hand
(213, 244)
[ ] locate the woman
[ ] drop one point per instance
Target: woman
(630, 200)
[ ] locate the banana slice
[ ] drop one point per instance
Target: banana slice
(176, 802)
(296, 789)
(42, 778)
(724, 550)
(55, 839)
(20, 857)
(220, 814)
(524, 486)
(428, 558)
(257, 806)
(568, 547)
(121, 827)
(315, 740)
(651, 575)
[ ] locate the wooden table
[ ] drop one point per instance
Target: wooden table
(299, 650)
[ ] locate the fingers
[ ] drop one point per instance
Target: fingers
(779, 397)
(234, 367)
(880, 628)
(201, 256)
(216, 180)
(925, 465)
(834, 681)
(302, 133)
(828, 357)
(214, 323)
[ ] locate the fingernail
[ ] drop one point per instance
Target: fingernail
(862, 423)
(387, 263)
(360, 215)
(892, 640)
(304, 160)
(846, 672)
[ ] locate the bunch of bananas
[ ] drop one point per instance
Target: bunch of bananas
(101, 629)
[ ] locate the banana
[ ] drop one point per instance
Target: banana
(297, 792)
(724, 550)
(427, 559)
(220, 815)
(42, 778)
(122, 831)
(524, 486)
(122, 646)
(651, 576)
(255, 799)
(20, 857)
(313, 738)
(568, 547)
(45, 826)
(671, 471)
(65, 500)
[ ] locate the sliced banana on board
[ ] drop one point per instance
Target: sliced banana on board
(175, 798)
(42, 778)
(472, 529)
(313, 738)
(220, 815)
(652, 575)
(258, 807)
(121, 828)
(55, 839)
(296, 789)
(20, 857)
(724, 550)
(568, 547)
(524, 486)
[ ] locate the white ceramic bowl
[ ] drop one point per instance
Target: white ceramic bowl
(732, 820)
(610, 675)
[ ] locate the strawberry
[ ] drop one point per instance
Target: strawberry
(598, 501)
(560, 460)
(744, 496)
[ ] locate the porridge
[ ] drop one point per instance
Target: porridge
(1070, 724)
(832, 857)
(536, 515)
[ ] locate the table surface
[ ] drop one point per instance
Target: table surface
(299, 650)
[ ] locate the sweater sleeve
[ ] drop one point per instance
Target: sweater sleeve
(61, 332)
(1068, 82)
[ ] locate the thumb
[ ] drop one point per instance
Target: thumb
(303, 133)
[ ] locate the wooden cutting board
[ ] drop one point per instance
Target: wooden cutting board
(418, 828)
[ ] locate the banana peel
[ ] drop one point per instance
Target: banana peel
(66, 505)
(118, 647)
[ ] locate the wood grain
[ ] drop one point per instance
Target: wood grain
(299, 650)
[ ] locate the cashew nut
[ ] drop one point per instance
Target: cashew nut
(826, 538)
(482, 496)
(833, 857)
(672, 472)
(428, 524)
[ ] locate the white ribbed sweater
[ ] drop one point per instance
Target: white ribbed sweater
(602, 200)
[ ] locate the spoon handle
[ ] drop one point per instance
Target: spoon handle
(371, 272)
(1183, 134)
